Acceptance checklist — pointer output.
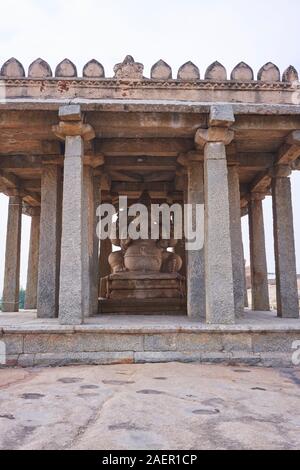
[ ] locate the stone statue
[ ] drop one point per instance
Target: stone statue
(145, 256)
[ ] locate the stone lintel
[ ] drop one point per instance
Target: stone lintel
(221, 115)
(213, 135)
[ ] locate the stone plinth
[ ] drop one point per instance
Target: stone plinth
(144, 292)
(258, 339)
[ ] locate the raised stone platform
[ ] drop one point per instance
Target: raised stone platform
(144, 293)
(256, 339)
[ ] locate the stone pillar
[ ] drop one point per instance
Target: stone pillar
(50, 235)
(105, 251)
(218, 258)
(91, 242)
(33, 260)
(238, 267)
(10, 302)
(75, 229)
(258, 259)
(245, 286)
(195, 259)
(180, 251)
(284, 243)
(73, 261)
(96, 246)
(104, 267)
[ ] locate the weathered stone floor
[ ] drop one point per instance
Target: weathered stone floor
(150, 406)
(249, 320)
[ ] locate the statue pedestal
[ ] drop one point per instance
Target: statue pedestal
(132, 292)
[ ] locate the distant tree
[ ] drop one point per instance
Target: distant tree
(22, 298)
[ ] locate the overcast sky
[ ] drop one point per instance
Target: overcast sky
(174, 30)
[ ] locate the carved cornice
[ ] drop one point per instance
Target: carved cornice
(64, 84)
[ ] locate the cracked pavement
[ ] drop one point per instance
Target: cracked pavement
(150, 406)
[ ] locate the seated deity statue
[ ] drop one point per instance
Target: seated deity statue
(145, 256)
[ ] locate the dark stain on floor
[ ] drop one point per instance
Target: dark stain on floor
(150, 392)
(32, 396)
(89, 387)
(70, 380)
(242, 371)
(128, 426)
(88, 395)
(206, 412)
(8, 416)
(118, 382)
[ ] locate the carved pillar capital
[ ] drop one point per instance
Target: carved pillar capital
(296, 164)
(255, 196)
(280, 171)
(15, 192)
(213, 135)
(31, 211)
(186, 159)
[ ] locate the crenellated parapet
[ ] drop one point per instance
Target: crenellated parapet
(129, 81)
(129, 69)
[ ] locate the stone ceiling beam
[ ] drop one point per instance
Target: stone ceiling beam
(148, 146)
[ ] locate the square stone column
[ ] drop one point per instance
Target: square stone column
(71, 291)
(91, 189)
(10, 301)
(195, 259)
(284, 244)
(236, 239)
(75, 288)
(33, 260)
(258, 259)
(220, 308)
(50, 235)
